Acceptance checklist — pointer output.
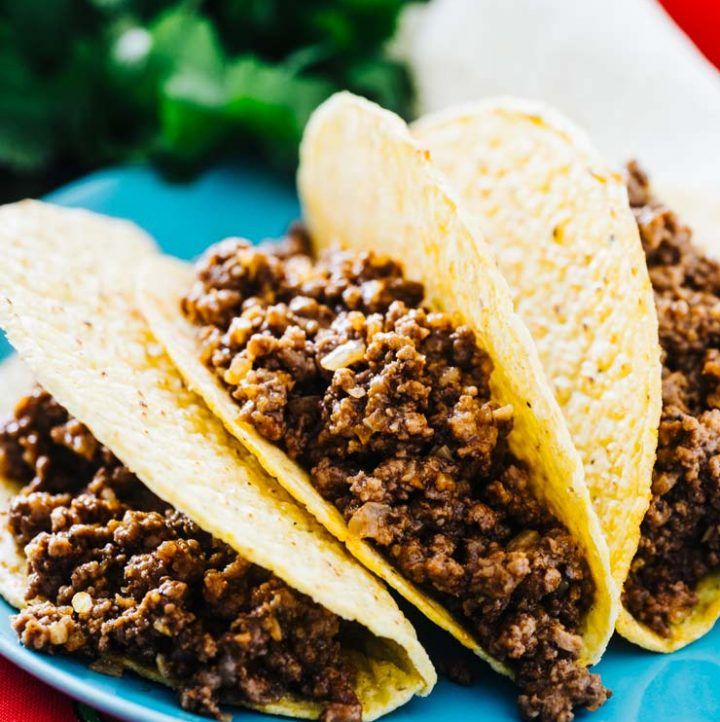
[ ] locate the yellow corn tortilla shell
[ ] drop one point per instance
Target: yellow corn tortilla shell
(566, 241)
(364, 182)
(698, 206)
(66, 304)
(568, 244)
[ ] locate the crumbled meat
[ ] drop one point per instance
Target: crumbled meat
(389, 406)
(114, 571)
(458, 668)
(680, 537)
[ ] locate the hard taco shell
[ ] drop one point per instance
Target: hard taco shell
(567, 241)
(67, 282)
(366, 184)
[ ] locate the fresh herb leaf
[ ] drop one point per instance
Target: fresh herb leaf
(89, 82)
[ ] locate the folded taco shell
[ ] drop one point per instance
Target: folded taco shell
(567, 241)
(364, 181)
(66, 304)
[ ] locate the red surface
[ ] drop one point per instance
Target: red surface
(700, 19)
(24, 699)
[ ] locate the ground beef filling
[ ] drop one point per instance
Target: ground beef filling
(680, 539)
(389, 407)
(115, 572)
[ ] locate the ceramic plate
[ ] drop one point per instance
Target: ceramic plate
(245, 201)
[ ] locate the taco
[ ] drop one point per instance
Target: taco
(373, 364)
(144, 536)
(640, 398)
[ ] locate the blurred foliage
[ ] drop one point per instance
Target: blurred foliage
(84, 83)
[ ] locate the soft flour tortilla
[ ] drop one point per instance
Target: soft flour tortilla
(365, 183)
(568, 244)
(67, 281)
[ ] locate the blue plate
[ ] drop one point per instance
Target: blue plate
(683, 687)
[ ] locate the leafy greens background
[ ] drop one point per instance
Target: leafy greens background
(84, 83)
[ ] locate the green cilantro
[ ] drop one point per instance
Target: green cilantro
(86, 83)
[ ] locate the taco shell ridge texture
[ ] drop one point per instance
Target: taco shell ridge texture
(365, 183)
(67, 305)
(566, 240)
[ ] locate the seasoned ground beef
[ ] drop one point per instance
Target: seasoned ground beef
(116, 572)
(389, 406)
(680, 541)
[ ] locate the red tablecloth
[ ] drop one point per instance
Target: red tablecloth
(700, 19)
(24, 699)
